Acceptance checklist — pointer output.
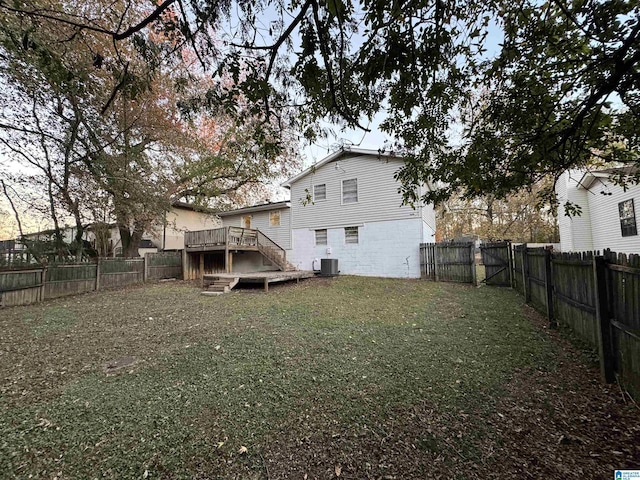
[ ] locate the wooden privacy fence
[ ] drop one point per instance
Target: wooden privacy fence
(597, 297)
(164, 265)
(448, 262)
(31, 285)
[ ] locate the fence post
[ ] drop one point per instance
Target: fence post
(603, 319)
(98, 274)
(525, 274)
(474, 273)
(435, 262)
(511, 263)
(43, 279)
(548, 284)
(144, 268)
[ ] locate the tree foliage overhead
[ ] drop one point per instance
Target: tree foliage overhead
(561, 87)
(100, 129)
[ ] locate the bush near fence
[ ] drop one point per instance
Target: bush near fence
(23, 286)
(596, 296)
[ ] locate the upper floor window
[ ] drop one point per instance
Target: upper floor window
(274, 218)
(350, 191)
(246, 221)
(627, 218)
(319, 192)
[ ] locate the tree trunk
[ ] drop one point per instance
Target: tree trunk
(130, 241)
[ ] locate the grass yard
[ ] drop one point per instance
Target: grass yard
(346, 378)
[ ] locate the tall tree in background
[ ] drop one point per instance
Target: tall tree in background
(126, 149)
(562, 85)
(518, 217)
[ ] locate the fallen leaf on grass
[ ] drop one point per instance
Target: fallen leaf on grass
(338, 470)
(242, 450)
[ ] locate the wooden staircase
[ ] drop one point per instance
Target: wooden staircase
(273, 252)
(220, 286)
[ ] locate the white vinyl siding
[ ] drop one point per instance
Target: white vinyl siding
(321, 236)
(350, 191)
(378, 197)
(319, 192)
(351, 235)
(262, 221)
(604, 212)
(598, 227)
(575, 232)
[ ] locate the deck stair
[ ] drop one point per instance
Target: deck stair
(273, 252)
(220, 286)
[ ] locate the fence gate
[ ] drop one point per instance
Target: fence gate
(448, 262)
(496, 258)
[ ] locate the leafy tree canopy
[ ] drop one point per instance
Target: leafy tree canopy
(561, 88)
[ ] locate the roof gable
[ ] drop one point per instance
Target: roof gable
(337, 155)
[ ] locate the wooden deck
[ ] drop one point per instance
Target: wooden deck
(231, 240)
(264, 278)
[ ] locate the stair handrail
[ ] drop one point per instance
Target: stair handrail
(265, 241)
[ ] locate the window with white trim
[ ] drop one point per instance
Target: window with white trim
(350, 234)
(274, 218)
(350, 191)
(628, 218)
(319, 192)
(321, 237)
(246, 221)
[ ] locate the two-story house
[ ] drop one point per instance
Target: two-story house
(346, 207)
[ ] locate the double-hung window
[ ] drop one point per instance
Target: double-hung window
(319, 192)
(627, 218)
(350, 234)
(350, 191)
(321, 237)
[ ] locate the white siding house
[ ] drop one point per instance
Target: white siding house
(609, 217)
(348, 207)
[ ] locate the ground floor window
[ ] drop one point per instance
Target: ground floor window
(321, 237)
(350, 234)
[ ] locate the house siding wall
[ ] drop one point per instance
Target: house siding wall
(260, 220)
(378, 197)
(180, 220)
(605, 217)
(575, 232)
(385, 249)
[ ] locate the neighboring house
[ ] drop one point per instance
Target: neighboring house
(347, 207)
(182, 217)
(609, 217)
(168, 235)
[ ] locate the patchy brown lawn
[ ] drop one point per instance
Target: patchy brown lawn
(343, 378)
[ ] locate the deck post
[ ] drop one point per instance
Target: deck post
(266, 284)
(227, 263)
(201, 269)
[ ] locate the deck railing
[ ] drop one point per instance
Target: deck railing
(237, 237)
(216, 236)
(242, 237)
